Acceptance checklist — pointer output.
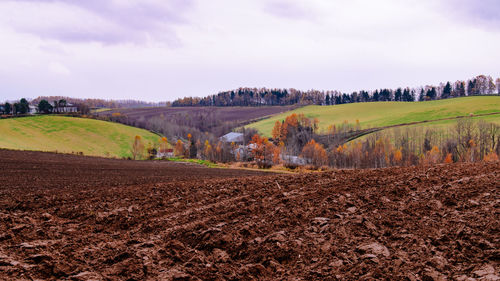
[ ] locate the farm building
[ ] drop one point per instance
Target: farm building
(66, 109)
(233, 137)
(165, 153)
(33, 110)
(293, 160)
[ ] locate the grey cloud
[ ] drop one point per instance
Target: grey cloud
(483, 13)
(136, 23)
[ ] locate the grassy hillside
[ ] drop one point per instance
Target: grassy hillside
(379, 114)
(70, 135)
(444, 128)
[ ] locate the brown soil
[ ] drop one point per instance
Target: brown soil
(224, 114)
(79, 218)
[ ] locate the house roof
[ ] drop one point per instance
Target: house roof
(232, 137)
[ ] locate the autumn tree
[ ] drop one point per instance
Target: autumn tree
(262, 151)
(295, 132)
(207, 151)
(315, 154)
(491, 157)
(278, 150)
(432, 156)
(137, 148)
(276, 133)
(179, 148)
(448, 159)
(163, 144)
(398, 156)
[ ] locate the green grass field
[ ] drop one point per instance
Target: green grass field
(379, 114)
(443, 127)
(99, 110)
(70, 135)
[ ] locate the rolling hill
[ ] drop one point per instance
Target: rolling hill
(381, 114)
(70, 135)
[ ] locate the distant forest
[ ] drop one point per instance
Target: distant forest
(480, 85)
(101, 103)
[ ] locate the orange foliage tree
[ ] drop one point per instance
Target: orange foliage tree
(491, 157)
(398, 156)
(262, 151)
(179, 148)
(137, 148)
(315, 154)
(207, 151)
(432, 156)
(276, 133)
(449, 158)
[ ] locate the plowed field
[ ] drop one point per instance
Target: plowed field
(77, 218)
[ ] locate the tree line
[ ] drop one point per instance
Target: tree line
(17, 108)
(480, 85)
(23, 107)
(102, 103)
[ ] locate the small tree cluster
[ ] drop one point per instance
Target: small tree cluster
(315, 154)
(295, 132)
(18, 108)
(467, 141)
(263, 151)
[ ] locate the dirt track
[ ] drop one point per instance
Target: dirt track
(65, 217)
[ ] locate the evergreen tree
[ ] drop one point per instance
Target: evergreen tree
(406, 95)
(446, 91)
(365, 97)
(460, 89)
(421, 97)
(398, 95)
(193, 151)
(338, 99)
(21, 107)
(8, 108)
(471, 87)
(431, 94)
(44, 107)
(385, 95)
(327, 99)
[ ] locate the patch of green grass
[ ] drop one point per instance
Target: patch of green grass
(71, 135)
(98, 110)
(379, 114)
(195, 161)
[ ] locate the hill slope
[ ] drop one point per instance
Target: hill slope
(70, 135)
(379, 114)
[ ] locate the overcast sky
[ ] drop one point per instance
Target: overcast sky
(158, 50)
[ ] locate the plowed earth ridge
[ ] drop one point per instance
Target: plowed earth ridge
(78, 218)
